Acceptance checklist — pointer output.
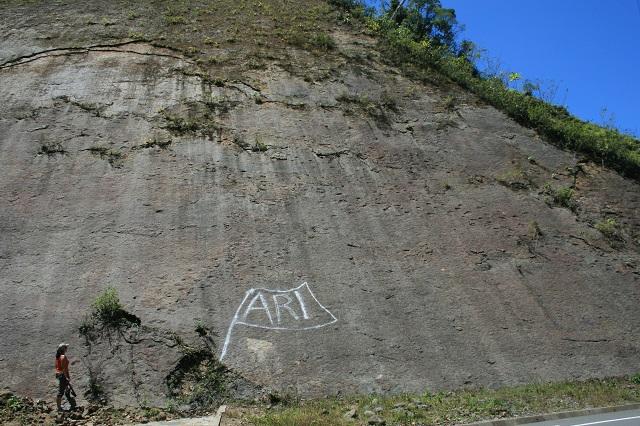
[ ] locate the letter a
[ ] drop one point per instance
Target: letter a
(265, 307)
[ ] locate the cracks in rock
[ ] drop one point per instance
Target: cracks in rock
(152, 143)
(300, 106)
(569, 339)
(247, 84)
(94, 109)
(67, 51)
(52, 149)
(586, 242)
(331, 154)
(113, 157)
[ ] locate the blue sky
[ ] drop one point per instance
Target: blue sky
(590, 49)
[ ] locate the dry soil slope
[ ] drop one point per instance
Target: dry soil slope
(407, 208)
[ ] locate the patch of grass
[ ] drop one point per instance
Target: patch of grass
(201, 328)
(151, 143)
(113, 156)
(198, 379)
(463, 406)
(561, 196)
(194, 123)
(388, 101)
(363, 104)
(107, 314)
(533, 231)
(310, 40)
(136, 35)
(449, 103)
(322, 41)
(14, 404)
(106, 22)
(175, 19)
(180, 125)
(515, 179)
(260, 146)
(611, 230)
(150, 412)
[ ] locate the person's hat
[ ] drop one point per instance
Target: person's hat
(63, 345)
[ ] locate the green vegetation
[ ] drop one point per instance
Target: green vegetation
(449, 103)
(198, 378)
(561, 196)
(363, 104)
(533, 230)
(197, 124)
(420, 38)
(151, 143)
(514, 179)
(260, 146)
(107, 314)
(323, 41)
(201, 328)
(306, 40)
(195, 118)
(14, 404)
(610, 229)
(463, 406)
(113, 156)
(180, 125)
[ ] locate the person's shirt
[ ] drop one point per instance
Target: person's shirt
(62, 365)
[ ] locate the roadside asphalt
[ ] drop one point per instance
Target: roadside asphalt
(619, 418)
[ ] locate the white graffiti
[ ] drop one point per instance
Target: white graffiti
(293, 309)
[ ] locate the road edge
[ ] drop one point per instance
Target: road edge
(554, 416)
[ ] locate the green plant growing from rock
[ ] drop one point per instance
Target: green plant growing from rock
(449, 103)
(323, 41)
(611, 230)
(561, 196)
(368, 106)
(113, 157)
(260, 146)
(14, 404)
(107, 314)
(533, 230)
(154, 142)
(515, 179)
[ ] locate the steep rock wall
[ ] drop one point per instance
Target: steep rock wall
(416, 215)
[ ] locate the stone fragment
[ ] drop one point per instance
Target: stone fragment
(352, 413)
(376, 420)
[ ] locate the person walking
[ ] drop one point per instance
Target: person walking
(62, 374)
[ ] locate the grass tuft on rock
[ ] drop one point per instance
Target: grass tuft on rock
(107, 314)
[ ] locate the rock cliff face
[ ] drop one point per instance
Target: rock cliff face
(434, 255)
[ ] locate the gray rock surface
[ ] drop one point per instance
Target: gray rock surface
(411, 224)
